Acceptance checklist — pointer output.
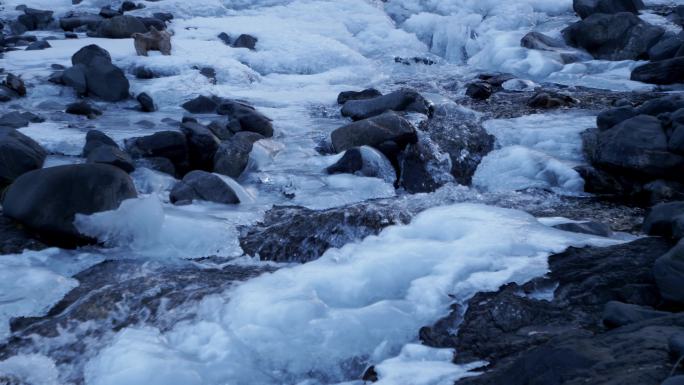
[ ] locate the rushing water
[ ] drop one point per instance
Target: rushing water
(325, 321)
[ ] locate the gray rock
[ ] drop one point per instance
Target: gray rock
(75, 77)
(373, 132)
(146, 102)
(586, 8)
(94, 139)
(14, 119)
(38, 45)
(346, 96)
(609, 118)
(541, 42)
(166, 144)
(120, 27)
(670, 71)
(365, 161)
(662, 217)
(245, 41)
(592, 228)
(201, 185)
(201, 105)
(83, 108)
(91, 55)
(232, 156)
(88, 21)
(401, 100)
(666, 48)
(617, 314)
(107, 81)
(246, 117)
(20, 154)
(676, 345)
(668, 271)
(675, 380)
(202, 145)
(112, 156)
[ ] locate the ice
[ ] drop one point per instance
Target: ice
(31, 369)
(519, 168)
(358, 304)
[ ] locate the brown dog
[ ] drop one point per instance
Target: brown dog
(152, 41)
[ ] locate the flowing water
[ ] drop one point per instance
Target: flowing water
(219, 317)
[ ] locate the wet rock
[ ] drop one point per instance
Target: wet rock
(74, 77)
(539, 41)
(220, 129)
(675, 380)
(201, 105)
(407, 61)
(102, 78)
(120, 27)
(668, 271)
(20, 154)
(620, 36)
(160, 164)
(127, 6)
(423, 167)
(298, 234)
(402, 100)
(549, 99)
(202, 145)
(15, 83)
(676, 345)
(83, 108)
(364, 161)
(14, 119)
(48, 199)
(224, 38)
(479, 90)
(665, 219)
(166, 144)
(107, 12)
(14, 240)
(666, 104)
(34, 19)
(163, 16)
(663, 191)
(667, 47)
(38, 45)
(586, 8)
(141, 72)
(373, 132)
(610, 118)
(592, 228)
(146, 102)
(368, 93)
(201, 185)
(209, 73)
(88, 21)
(232, 156)
(246, 117)
(617, 314)
(94, 139)
(245, 41)
(112, 156)
(670, 71)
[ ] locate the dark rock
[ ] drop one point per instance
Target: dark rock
(146, 102)
(232, 156)
(201, 185)
(224, 38)
(166, 144)
(407, 61)
(107, 81)
(163, 16)
(620, 36)
(676, 345)
(373, 132)
(662, 219)
(298, 234)
(158, 164)
(421, 167)
(368, 93)
(141, 72)
(38, 45)
(7, 94)
(609, 118)
(201, 105)
(48, 199)
(586, 8)
(364, 161)
(209, 73)
(14, 120)
(668, 71)
(107, 12)
(668, 271)
(75, 77)
(15, 239)
(245, 41)
(83, 108)
(220, 129)
(402, 100)
(112, 156)
(150, 22)
(127, 6)
(617, 314)
(663, 191)
(120, 27)
(592, 228)
(675, 380)
(202, 145)
(95, 139)
(549, 99)
(20, 154)
(91, 22)
(479, 90)
(15, 83)
(655, 107)
(246, 116)
(541, 42)
(34, 19)
(666, 48)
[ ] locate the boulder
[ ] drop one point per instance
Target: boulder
(364, 161)
(14, 119)
(120, 27)
(47, 200)
(232, 156)
(674, 380)
(245, 41)
(670, 71)
(617, 314)
(202, 145)
(220, 128)
(423, 167)
(368, 93)
(205, 186)
(539, 41)
(591, 228)
(20, 154)
(676, 345)
(83, 108)
(38, 45)
(246, 117)
(666, 104)
(107, 81)
(107, 12)
(668, 271)
(166, 144)
(34, 19)
(586, 8)
(74, 77)
(201, 105)
(15, 83)
(113, 156)
(620, 36)
(667, 47)
(146, 102)
(663, 219)
(479, 90)
(224, 37)
(94, 139)
(610, 118)
(89, 21)
(401, 100)
(373, 132)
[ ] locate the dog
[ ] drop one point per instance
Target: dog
(152, 41)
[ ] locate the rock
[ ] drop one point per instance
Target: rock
(368, 93)
(662, 219)
(153, 22)
(107, 12)
(20, 154)
(201, 105)
(617, 314)
(402, 100)
(549, 99)
(158, 164)
(541, 42)
(141, 72)
(127, 6)
(373, 132)
(120, 27)
(246, 116)
(102, 78)
(609, 118)
(620, 36)
(90, 21)
(15, 83)
(166, 144)
(245, 41)
(202, 145)
(661, 190)
(637, 147)
(668, 271)
(34, 19)
(146, 102)
(113, 156)
(6, 94)
(94, 139)
(668, 71)
(209, 73)
(676, 345)
(47, 200)
(365, 161)
(298, 234)
(658, 106)
(201, 185)
(220, 129)
(83, 108)
(601, 182)
(592, 228)
(675, 380)
(38, 45)
(14, 120)
(666, 48)
(15, 240)
(75, 78)
(423, 167)
(479, 90)
(586, 8)
(224, 38)
(163, 16)
(232, 156)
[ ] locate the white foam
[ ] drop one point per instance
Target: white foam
(31, 369)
